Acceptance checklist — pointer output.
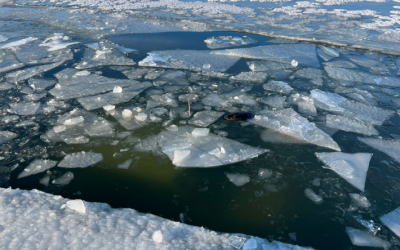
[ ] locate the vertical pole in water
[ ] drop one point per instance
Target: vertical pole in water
(189, 105)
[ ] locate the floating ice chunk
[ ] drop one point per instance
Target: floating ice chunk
(364, 239)
(268, 66)
(278, 102)
(327, 101)
(9, 61)
(18, 43)
(329, 51)
(236, 241)
(220, 42)
(264, 173)
(388, 81)
(76, 205)
(243, 100)
(10, 118)
(389, 147)
(126, 114)
(166, 99)
(80, 160)
(112, 98)
(117, 89)
(351, 167)
(24, 108)
(294, 63)
(350, 75)
(305, 104)
(74, 121)
(60, 46)
(22, 75)
(6, 86)
(103, 57)
(189, 151)
(82, 73)
(76, 140)
(214, 100)
(197, 132)
(340, 64)
(359, 200)
(40, 84)
(157, 236)
(109, 107)
(187, 59)
(392, 221)
(278, 86)
(250, 77)
(37, 166)
(310, 194)
(64, 179)
(350, 125)
(45, 180)
(126, 164)
(238, 179)
(250, 244)
(304, 54)
(141, 117)
(205, 118)
(290, 123)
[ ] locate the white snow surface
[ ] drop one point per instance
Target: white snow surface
(37, 220)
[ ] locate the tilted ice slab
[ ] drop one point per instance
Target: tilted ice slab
(205, 118)
(351, 167)
(362, 238)
(290, 123)
(62, 224)
(350, 125)
(111, 98)
(126, 116)
(25, 74)
(6, 136)
(268, 66)
(392, 221)
(35, 54)
(278, 86)
(8, 61)
(350, 75)
(186, 146)
(64, 179)
(80, 160)
(338, 104)
(37, 166)
(188, 59)
(220, 42)
(105, 57)
(71, 85)
(304, 54)
(18, 43)
(389, 147)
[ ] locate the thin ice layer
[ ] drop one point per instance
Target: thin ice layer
(111, 98)
(188, 150)
(71, 85)
(60, 223)
(389, 147)
(351, 167)
(350, 125)
(188, 59)
(37, 166)
(290, 123)
(304, 54)
(81, 160)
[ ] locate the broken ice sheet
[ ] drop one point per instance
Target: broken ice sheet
(364, 239)
(220, 42)
(111, 98)
(392, 221)
(188, 59)
(236, 241)
(268, 66)
(80, 160)
(126, 117)
(8, 61)
(351, 167)
(290, 123)
(350, 75)
(350, 125)
(186, 150)
(304, 54)
(278, 86)
(57, 41)
(18, 43)
(6, 136)
(103, 57)
(37, 166)
(41, 84)
(22, 75)
(24, 108)
(250, 77)
(389, 147)
(64, 179)
(205, 118)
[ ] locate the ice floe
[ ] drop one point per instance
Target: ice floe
(350, 125)
(364, 239)
(389, 147)
(80, 160)
(392, 221)
(351, 167)
(64, 179)
(37, 166)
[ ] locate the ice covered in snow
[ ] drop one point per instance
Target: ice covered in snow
(6, 136)
(278, 86)
(305, 104)
(188, 59)
(37, 166)
(205, 118)
(220, 42)
(80, 160)
(310, 194)
(392, 221)
(18, 43)
(389, 147)
(64, 179)
(290, 123)
(350, 125)
(351, 167)
(364, 239)
(58, 225)
(304, 54)
(238, 179)
(186, 150)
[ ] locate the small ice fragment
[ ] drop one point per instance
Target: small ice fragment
(238, 179)
(250, 244)
(197, 132)
(157, 236)
(264, 173)
(76, 205)
(179, 155)
(60, 128)
(236, 241)
(6, 136)
(141, 117)
(206, 66)
(117, 89)
(45, 180)
(329, 51)
(294, 63)
(126, 164)
(65, 179)
(82, 73)
(80, 160)
(173, 127)
(360, 200)
(74, 121)
(109, 107)
(126, 114)
(309, 193)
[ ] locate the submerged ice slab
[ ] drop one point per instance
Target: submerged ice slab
(389, 147)
(186, 150)
(80, 160)
(37, 166)
(350, 125)
(220, 42)
(188, 59)
(238, 179)
(290, 123)
(351, 167)
(304, 54)
(364, 239)
(59, 225)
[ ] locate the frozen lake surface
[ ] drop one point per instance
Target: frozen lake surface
(262, 121)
